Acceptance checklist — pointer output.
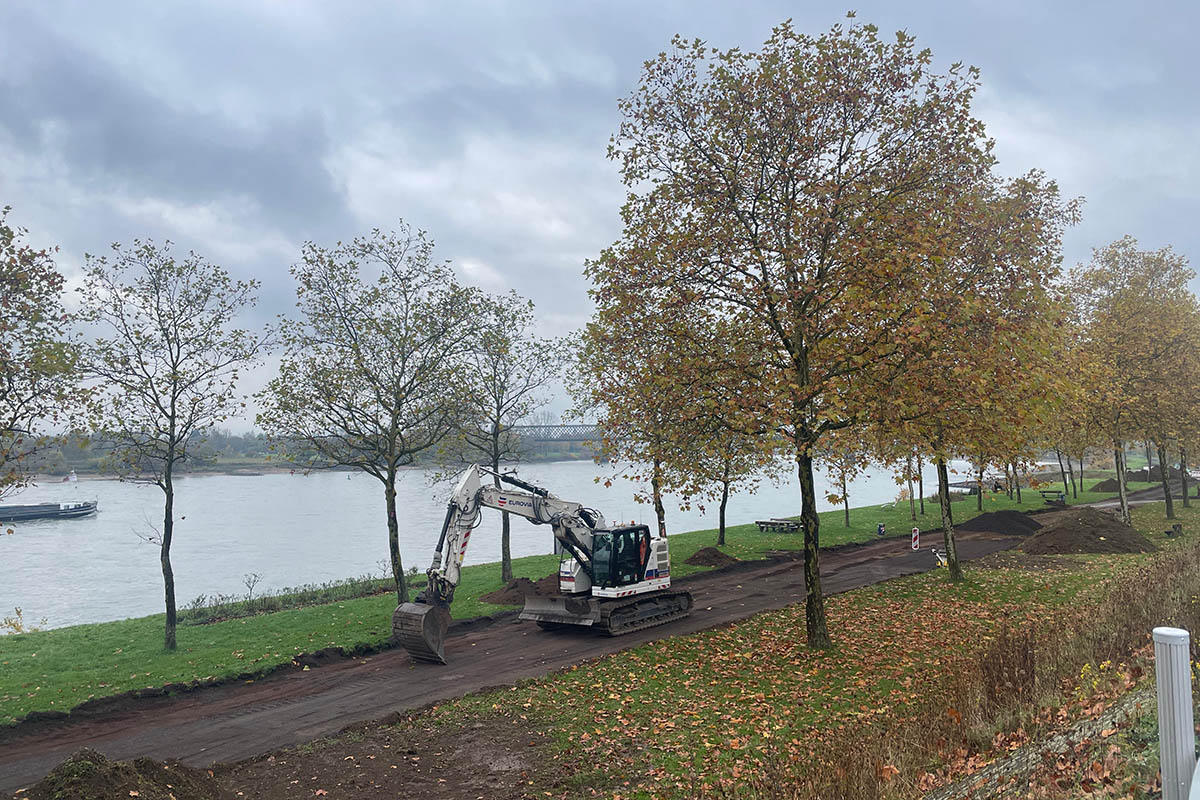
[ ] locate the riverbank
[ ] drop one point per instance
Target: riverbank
(56, 670)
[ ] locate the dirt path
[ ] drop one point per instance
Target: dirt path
(238, 721)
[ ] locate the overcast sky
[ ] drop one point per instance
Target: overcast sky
(241, 129)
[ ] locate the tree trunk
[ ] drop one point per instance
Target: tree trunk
(921, 483)
(1166, 481)
(1149, 453)
(164, 553)
(1119, 460)
(1071, 474)
(845, 500)
(506, 573)
(979, 496)
(1081, 455)
(814, 602)
(1017, 482)
(721, 516)
(956, 573)
(1008, 481)
(1187, 503)
(656, 489)
(912, 500)
(389, 498)
(1066, 489)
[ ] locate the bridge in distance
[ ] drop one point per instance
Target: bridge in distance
(558, 433)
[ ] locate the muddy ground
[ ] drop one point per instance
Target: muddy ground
(493, 758)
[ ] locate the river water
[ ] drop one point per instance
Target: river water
(294, 529)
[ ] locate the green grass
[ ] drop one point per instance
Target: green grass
(56, 670)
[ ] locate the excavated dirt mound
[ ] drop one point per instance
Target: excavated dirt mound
(1108, 485)
(89, 775)
(710, 557)
(517, 590)
(1086, 530)
(1008, 521)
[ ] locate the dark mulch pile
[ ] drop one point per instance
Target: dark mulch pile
(710, 557)
(1010, 522)
(89, 775)
(517, 590)
(1108, 485)
(1086, 530)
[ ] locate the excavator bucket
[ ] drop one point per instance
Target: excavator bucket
(421, 630)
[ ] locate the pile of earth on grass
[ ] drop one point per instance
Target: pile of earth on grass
(1008, 522)
(90, 775)
(710, 557)
(517, 590)
(1086, 530)
(1152, 474)
(1108, 485)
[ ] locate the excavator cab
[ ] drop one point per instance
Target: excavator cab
(619, 556)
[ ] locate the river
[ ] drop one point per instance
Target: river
(297, 529)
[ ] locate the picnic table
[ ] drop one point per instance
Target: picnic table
(777, 525)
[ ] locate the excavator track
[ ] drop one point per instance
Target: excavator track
(642, 612)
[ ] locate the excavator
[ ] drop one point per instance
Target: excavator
(613, 580)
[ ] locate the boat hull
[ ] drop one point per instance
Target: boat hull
(47, 511)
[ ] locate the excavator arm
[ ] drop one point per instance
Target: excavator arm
(421, 626)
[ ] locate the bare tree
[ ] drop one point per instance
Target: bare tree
(513, 374)
(166, 358)
(378, 368)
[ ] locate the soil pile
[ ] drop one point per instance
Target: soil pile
(517, 590)
(1108, 485)
(1009, 522)
(89, 775)
(1152, 474)
(710, 557)
(1086, 530)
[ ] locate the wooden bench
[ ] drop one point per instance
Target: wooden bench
(1053, 495)
(778, 525)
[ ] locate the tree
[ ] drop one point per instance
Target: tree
(806, 194)
(37, 368)
(513, 371)
(721, 458)
(986, 381)
(638, 409)
(1131, 310)
(167, 358)
(379, 367)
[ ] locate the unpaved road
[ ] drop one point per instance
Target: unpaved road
(239, 721)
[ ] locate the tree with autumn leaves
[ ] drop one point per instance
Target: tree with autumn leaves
(814, 198)
(38, 368)
(1135, 327)
(988, 373)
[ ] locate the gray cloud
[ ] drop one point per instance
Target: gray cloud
(241, 130)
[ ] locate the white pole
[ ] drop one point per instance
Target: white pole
(1176, 736)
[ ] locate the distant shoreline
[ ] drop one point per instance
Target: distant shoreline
(252, 471)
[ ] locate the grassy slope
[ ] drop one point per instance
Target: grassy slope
(58, 669)
(725, 701)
